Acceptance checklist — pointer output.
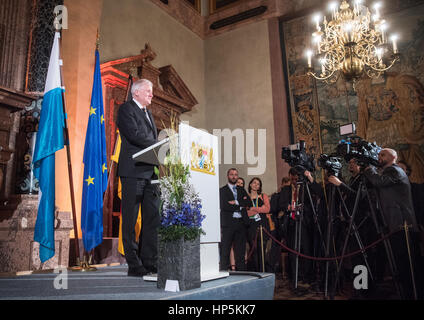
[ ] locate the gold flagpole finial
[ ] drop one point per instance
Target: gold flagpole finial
(97, 40)
(56, 23)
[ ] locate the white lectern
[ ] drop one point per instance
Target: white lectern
(199, 150)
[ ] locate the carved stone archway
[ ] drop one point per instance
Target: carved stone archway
(170, 95)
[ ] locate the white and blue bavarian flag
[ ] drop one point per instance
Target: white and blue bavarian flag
(50, 138)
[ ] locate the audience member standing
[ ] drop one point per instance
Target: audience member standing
(260, 208)
(240, 183)
(233, 202)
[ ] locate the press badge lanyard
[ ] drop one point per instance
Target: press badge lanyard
(257, 217)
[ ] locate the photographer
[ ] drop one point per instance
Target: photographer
(417, 191)
(394, 191)
(349, 192)
(350, 189)
(362, 221)
(289, 201)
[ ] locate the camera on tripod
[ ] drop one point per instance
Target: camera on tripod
(365, 153)
(354, 147)
(332, 164)
(296, 157)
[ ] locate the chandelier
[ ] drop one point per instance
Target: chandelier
(352, 44)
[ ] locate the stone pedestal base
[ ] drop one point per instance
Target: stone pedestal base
(18, 251)
(179, 260)
(105, 253)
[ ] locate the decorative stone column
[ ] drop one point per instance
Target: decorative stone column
(18, 251)
(11, 102)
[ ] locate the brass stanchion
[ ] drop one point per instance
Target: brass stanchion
(262, 249)
(410, 260)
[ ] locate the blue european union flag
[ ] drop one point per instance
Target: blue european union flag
(95, 170)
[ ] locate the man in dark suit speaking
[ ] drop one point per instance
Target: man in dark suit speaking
(138, 131)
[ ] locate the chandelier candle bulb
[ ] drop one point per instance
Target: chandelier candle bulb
(379, 52)
(348, 29)
(394, 39)
(357, 4)
(309, 56)
(377, 12)
(333, 8)
(317, 19)
(383, 31)
(316, 37)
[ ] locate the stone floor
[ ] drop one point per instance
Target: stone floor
(284, 290)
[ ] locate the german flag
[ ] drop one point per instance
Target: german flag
(115, 158)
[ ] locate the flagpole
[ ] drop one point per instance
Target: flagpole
(109, 180)
(68, 153)
(88, 256)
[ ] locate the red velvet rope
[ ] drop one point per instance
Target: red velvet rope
(326, 258)
(255, 242)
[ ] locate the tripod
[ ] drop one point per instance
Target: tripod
(351, 228)
(392, 263)
(299, 221)
(330, 215)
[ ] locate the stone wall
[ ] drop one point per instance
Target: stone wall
(239, 97)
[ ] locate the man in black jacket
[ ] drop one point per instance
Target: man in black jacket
(394, 192)
(233, 202)
(417, 191)
(138, 131)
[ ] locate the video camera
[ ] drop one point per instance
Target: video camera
(364, 152)
(332, 164)
(295, 155)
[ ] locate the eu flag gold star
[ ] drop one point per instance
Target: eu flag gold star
(104, 168)
(92, 111)
(102, 119)
(90, 180)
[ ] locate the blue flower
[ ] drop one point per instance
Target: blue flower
(189, 215)
(181, 205)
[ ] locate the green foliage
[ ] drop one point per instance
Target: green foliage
(175, 232)
(157, 173)
(179, 174)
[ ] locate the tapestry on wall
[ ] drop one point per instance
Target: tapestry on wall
(389, 110)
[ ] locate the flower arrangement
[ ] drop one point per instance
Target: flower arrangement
(181, 206)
